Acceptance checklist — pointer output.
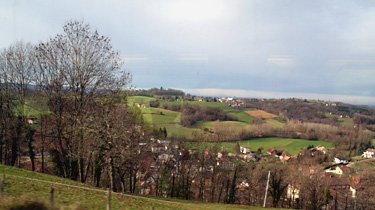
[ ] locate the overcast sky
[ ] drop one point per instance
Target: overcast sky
(311, 49)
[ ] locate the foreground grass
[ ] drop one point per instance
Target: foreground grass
(21, 183)
(292, 146)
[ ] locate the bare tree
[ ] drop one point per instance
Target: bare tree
(74, 67)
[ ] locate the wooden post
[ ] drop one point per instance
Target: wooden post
(51, 197)
(265, 194)
(109, 199)
(2, 184)
(152, 208)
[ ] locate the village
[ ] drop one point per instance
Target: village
(343, 182)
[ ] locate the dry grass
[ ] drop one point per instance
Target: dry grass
(261, 114)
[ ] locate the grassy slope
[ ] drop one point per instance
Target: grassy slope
(363, 165)
(34, 107)
(343, 121)
(292, 146)
(140, 99)
(67, 195)
(159, 118)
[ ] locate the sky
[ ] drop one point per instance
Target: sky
(247, 48)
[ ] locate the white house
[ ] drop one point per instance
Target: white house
(244, 150)
(369, 153)
(293, 192)
(341, 160)
(339, 170)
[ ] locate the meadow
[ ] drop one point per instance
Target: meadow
(292, 146)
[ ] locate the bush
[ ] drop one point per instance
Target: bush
(29, 205)
(193, 113)
(154, 103)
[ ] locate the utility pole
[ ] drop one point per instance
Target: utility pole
(265, 194)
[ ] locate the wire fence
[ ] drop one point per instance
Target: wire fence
(107, 192)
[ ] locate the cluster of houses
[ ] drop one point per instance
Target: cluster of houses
(340, 175)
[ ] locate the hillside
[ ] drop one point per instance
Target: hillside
(21, 183)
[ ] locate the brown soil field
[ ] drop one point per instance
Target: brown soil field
(261, 114)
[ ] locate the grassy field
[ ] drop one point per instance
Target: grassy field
(343, 121)
(21, 185)
(160, 118)
(364, 165)
(373, 142)
(275, 123)
(212, 124)
(292, 146)
(34, 107)
(140, 100)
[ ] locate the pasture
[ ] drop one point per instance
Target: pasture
(292, 146)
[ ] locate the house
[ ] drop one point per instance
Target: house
(322, 149)
(250, 156)
(293, 192)
(275, 152)
(32, 120)
(339, 169)
(343, 160)
(369, 153)
(245, 150)
(165, 157)
(285, 157)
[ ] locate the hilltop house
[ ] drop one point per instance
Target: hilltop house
(369, 153)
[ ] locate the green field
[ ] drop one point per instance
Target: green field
(292, 146)
(212, 124)
(23, 185)
(276, 123)
(140, 100)
(160, 118)
(343, 121)
(373, 142)
(34, 107)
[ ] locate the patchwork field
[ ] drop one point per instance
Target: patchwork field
(160, 118)
(21, 185)
(292, 146)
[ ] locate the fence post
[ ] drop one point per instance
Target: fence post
(51, 197)
(152, 208)
(109, 199)
(2, 184)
